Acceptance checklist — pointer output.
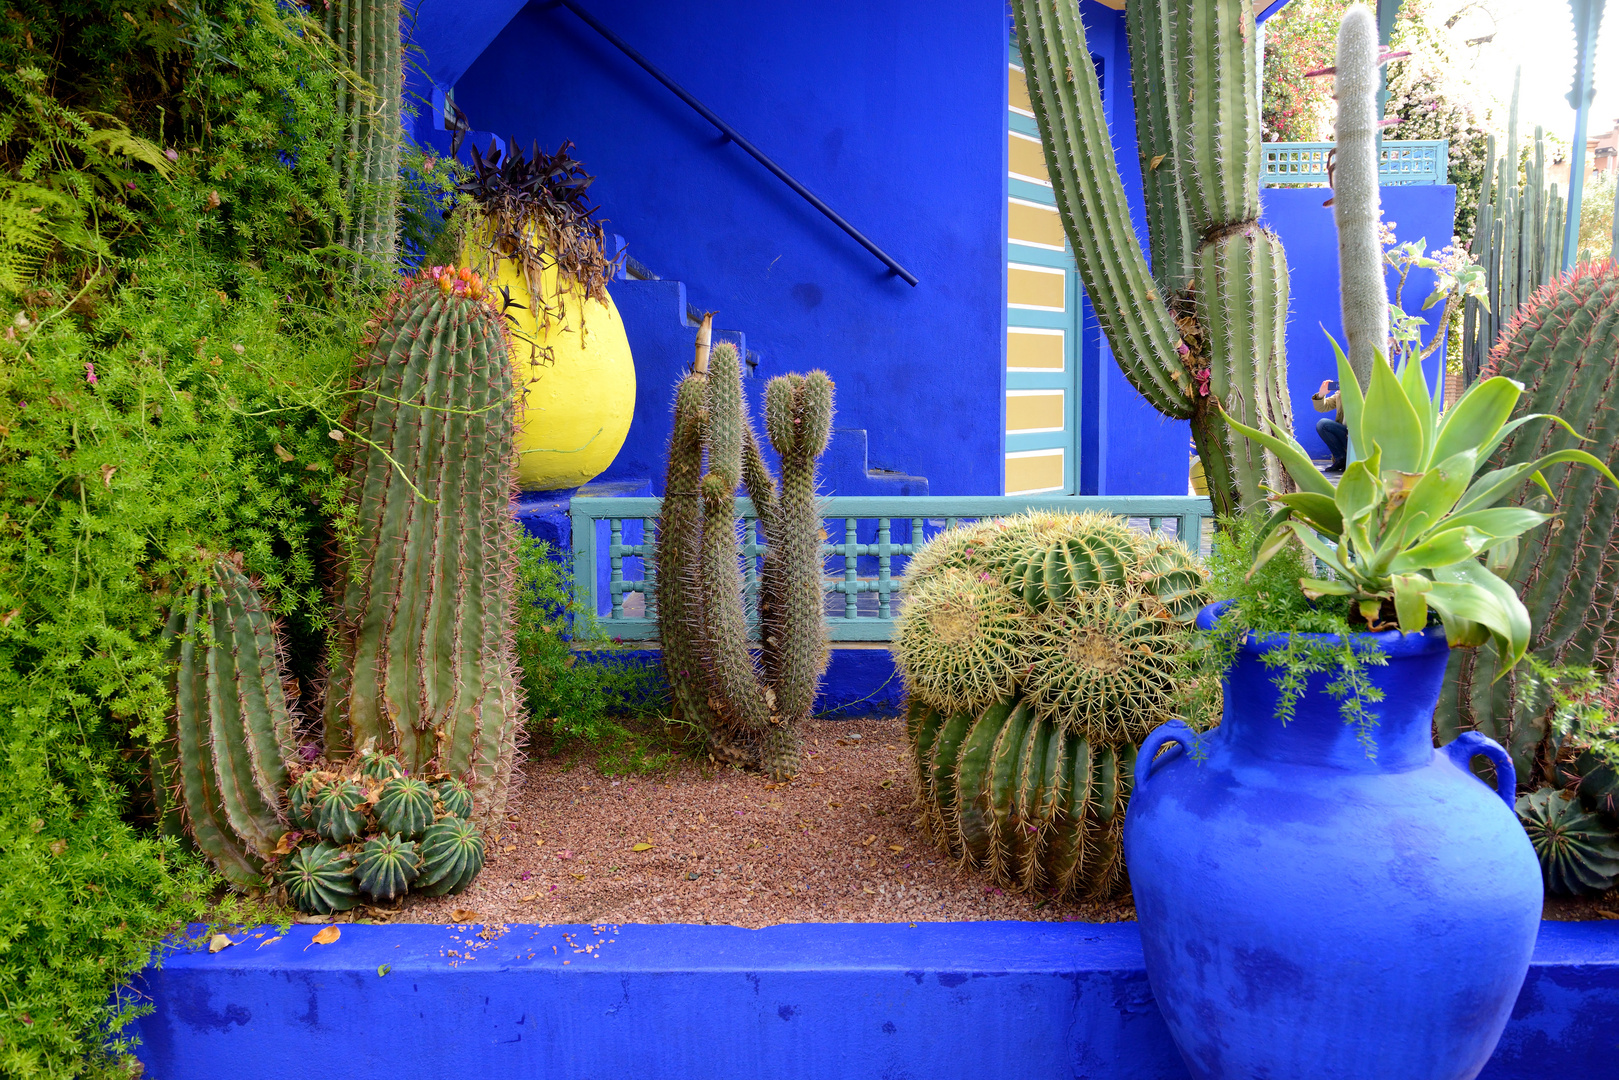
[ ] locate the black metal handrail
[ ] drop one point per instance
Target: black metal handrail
(736, 136)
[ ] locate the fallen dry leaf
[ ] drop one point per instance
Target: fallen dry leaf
(219, 941)
(641, 847)
(58, 847)
(465, 915)
(896, 847)
(282, 452)
(269, 941)
(284, 846)
(867, 842)
(529, 899)
(326, 936)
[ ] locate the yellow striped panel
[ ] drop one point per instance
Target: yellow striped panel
(1017, 91)
(1031, 223)
(1031, 471)
(1035, 287)
(1026, 158)
(1035, 411)
(1037, 350)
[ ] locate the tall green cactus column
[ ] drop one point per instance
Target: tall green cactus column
(368, 33)
(748, 710)
(424, 666)
(1204, 331)
(1356, 195)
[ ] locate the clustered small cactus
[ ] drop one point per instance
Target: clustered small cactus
(370, 829)
(1037, 652)
(422, 706)
(747, 710)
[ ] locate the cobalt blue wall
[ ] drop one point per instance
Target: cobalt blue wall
(1311, 240)
(893, 113)
(974, 1001)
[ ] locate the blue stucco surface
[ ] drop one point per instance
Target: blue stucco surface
(976, 1001)
(1311, 240)
(894, 114)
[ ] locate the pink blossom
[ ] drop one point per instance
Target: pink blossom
(90, 374)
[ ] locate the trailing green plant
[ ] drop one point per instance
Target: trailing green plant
(1037, 651)
(1578, 853)
(1035, 806)
(577, 691)
(747, 710)
(1204, 329)
(1563, 346)
(171, 360)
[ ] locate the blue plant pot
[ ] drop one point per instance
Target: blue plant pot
(1310, 911)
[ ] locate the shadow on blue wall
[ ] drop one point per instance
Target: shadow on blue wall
(894, 114)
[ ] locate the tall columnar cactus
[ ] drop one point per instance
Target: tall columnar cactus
(1203, 330)
(1037, 651)
(368, 33)
(225, 770)
(747, 710)
(424, 667)
(1356, 202)
(1517, 239)
(1563, 345)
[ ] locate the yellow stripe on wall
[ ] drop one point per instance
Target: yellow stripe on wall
(1031, 223)
(1026, 158)
(1036, 287)
(1017, 91)
(1035, 411)
(1035, 471)
(1041, 350)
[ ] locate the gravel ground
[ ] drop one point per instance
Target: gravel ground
(840, 843)
(705, 844)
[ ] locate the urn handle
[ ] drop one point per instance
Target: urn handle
(1170, 731)
(1468, 745)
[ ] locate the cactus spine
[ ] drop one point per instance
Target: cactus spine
(424, 666)
(1204, 330)
(368, 33)
(1516, 239)
(1356, 199)
(1563, 345)
(225, 771)
(423, 678)
(747, 710)
(1016, 796)
(1036, 651)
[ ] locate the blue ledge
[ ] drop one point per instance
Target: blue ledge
(975, 1001)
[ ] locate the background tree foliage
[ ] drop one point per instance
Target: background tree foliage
(176, 333)
(1428, 91)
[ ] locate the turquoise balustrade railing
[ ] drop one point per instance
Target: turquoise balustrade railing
(1402, 162)
(868, 540)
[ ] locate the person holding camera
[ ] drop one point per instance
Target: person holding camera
(1331, 428)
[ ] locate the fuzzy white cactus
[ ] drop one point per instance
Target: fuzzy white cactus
(1356, 201)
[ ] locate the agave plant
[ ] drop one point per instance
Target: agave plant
(1403, 531)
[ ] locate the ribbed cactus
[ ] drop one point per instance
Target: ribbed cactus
(1517, 239)
(1035, 806)
(1356, 199)
(368, 33)
(1578, 853)
(424, 666)
(1563, 345)
(1204, 330)
(423, 686)
(1036, 650)
(452, 854)
(224, 772)
(747, 710)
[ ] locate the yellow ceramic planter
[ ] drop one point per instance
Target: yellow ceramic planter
(575, 379)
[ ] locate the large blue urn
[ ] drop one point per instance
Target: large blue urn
(1314, 910)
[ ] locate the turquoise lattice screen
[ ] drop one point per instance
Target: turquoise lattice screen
(867, 543)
